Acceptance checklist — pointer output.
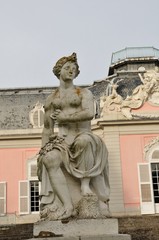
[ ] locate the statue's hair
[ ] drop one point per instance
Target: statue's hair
(59, 64)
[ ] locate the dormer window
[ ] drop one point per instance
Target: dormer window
(36, 116)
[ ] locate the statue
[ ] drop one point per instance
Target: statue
(81, 153)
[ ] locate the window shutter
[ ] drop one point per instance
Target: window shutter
(146, 190)
(24, 203)
(33, 170)
(3, 198)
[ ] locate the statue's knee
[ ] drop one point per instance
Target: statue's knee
(52, 159)
(83, 141)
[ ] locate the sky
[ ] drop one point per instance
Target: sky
(34, 34)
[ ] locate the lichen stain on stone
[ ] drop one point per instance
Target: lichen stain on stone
(78, 91)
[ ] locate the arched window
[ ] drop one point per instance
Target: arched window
(149, 186)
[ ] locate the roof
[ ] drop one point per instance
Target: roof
(134, 52)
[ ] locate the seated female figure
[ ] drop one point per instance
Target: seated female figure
(83, 154)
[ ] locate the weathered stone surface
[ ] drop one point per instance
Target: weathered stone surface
(88, 207)
(108, 237)
(85, 227)
(57, 238)
(104, 237)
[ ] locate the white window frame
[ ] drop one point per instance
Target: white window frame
(4, 197)
(32, 161)
(148, 152)
(155, 204)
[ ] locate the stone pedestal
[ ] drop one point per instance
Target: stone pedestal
(83, 229)
(89, 207)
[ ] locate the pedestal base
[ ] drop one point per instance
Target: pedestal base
(83, 229)
(104, 237)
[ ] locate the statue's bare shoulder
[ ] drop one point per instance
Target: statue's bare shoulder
(85, 92)
(49, 100)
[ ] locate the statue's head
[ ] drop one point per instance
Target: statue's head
(59, 64)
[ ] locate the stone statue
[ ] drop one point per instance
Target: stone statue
(81, 153)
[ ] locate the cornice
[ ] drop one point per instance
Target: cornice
(103, 123)
(20, 134)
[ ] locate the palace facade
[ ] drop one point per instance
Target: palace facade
(127, 119)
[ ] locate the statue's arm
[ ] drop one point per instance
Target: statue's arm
(86, 112)
(48, 129)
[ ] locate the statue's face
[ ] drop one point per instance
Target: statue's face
(68, 71)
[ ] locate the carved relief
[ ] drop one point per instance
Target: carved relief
(112, 102)
(148, 91)
(154, 94)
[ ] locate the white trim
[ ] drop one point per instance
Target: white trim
(32, 161)
(157, 207)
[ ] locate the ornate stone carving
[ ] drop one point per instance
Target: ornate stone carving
(153, 75)
(148, 91)
(150, 147)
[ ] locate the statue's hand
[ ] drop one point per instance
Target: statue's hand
(54, 115)
(59, 116)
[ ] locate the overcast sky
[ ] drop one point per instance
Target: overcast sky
(34, 34)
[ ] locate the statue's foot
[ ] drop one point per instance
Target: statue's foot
(67, 213)
(86, 191)
(44, 213)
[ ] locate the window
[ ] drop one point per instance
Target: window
(36, 116)
(29, 189)
(155, 181)
(149, 178)
(34, 196)
(33, 184)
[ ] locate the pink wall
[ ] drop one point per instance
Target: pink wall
(132, 147)
(147, 107)
(13, 163)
